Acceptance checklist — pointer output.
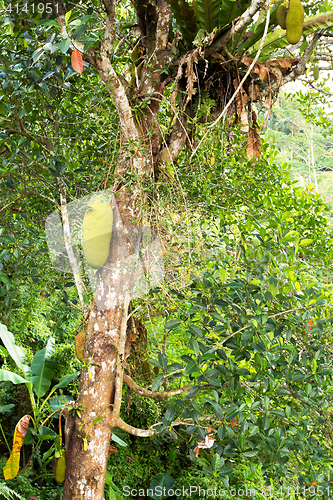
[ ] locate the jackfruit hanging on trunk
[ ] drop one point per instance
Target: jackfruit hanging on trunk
(97, 232)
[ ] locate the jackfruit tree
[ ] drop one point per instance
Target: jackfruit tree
(204, 61)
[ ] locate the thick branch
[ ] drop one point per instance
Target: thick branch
(154, 394)
(301, 66)
(109, 34)
(163, 24)
(120, 359)
(175, 141)
(140, 10)
(118, 92)
(133, 430)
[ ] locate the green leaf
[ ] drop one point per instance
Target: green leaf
(64, 45)
(216, 462)
(43, 368)
(163, 360)
(195, 346)
(159, 483)
(65, 380)
(37, 54)
(7, 376)
(193, 392)
(117, 440)
(191, 367)
(5, 408)
(59, 402)
(305, 242)
(79, 31)
(196, 330)
(49, 22)
(221, 432)
(190, 429)
(250, 454)
(98, 419)
(217, 410)
(16, 353)
(208, 11)
(224, 471)
(230, 9)
(246, 335)
(172, 324)
(45, 433)
(185, 17)
(157, 382)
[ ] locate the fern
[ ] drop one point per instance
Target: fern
(185, 17)
(7, 493)
(208, 11)
(230, 9)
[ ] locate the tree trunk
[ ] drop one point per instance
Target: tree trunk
(105, 351)
(87, 444)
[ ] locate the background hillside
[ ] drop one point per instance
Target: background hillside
(300, 127)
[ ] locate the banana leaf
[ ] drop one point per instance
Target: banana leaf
(11, 468)
(43, 367)
(16, 352)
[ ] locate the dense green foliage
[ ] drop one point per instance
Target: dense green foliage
(239, 326)
(244, 313)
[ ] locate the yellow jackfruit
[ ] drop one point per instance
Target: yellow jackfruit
(97, 232)
(294, 21)
(315, 73)
(281, 16)
(59, 469)
(79, 344)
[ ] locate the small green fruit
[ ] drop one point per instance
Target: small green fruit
(315, 73)
(145, 368)
(59, 470)
(281, 14)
